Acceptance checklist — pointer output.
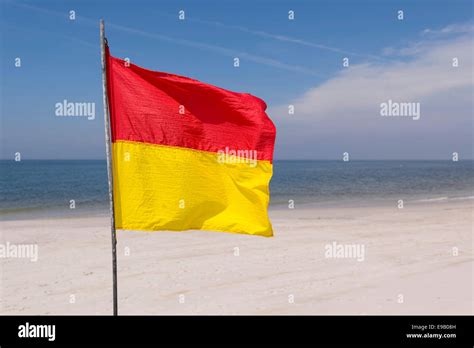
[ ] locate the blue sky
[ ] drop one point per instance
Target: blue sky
(284, 62)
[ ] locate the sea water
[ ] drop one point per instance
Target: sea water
(47, 188)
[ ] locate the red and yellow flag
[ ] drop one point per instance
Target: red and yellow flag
(187, 155)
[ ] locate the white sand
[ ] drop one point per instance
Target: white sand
(408, 252)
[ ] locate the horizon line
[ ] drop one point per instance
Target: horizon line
(275, 160)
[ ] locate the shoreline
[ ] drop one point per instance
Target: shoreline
(35, 213)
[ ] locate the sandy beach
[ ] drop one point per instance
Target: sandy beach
(409, 266)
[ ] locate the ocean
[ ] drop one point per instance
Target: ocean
(45, 188)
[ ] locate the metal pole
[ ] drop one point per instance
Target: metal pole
(109, 164)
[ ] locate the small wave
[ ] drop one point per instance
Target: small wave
(461, 198)
(440, 199)
(433, 199)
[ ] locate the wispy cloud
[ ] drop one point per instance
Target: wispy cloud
(458, 28)
(183, 42)
(217, 49)
(57, 34)
(430, 39)
(283, 38)
(343, 113)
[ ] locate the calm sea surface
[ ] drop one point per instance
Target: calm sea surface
(45, 188)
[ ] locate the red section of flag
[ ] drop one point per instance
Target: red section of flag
(159, 108)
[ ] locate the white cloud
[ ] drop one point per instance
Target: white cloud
(343, 113)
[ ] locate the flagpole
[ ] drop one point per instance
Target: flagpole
(108, 146)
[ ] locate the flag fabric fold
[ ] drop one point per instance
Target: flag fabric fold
(187, 155)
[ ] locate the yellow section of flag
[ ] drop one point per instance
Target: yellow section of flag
(158, 187)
